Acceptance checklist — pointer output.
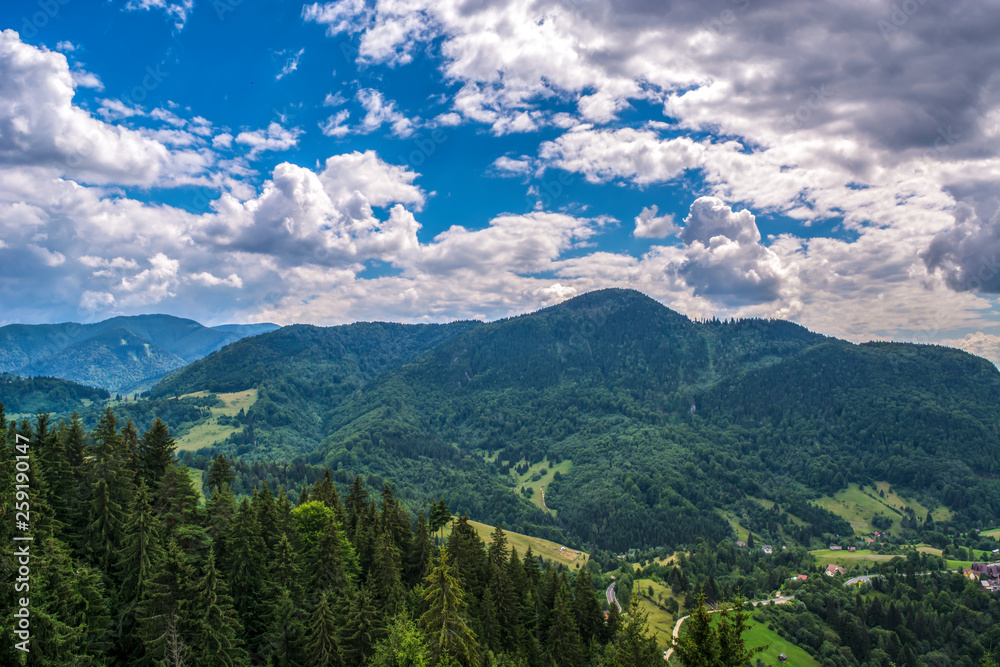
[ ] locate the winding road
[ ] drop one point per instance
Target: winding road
(610, 593)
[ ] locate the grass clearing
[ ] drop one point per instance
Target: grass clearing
(759, 634)
(741, 532)
(208, 431)
(661, 621)
(548, 550)
(857, 507)
(861, 557)
(544, 475)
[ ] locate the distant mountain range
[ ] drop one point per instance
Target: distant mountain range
(121, 354)
(640, 426)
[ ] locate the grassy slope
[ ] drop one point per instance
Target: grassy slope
(209, 432)
(661, 621)
(547, 474)
(196, 474)
(858, 507)
(548, 550)
(759, 635)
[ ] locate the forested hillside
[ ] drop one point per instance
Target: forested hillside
(127, 569)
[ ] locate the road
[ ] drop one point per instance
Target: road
(610, 593)
(677, 626)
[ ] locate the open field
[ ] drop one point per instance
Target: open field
(741, 532)
(661, 622)
(209, 431)
(546, 474)
(548, 550)
(758, 635)
(847, 559)
(857, 507)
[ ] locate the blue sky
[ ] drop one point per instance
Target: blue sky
(418, 160)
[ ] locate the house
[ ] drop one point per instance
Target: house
(766, 549)
(802, 577)
(833, 570)
(991, 571)
(969, 573)
(834, 547)
(852, 549)
(740, 543)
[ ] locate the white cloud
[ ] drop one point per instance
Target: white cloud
(648, 225)
(177, 11)
(512, 166)
(637, 155)
(224, 140)
(41, 127)
(335, 125)
(980, 343)
(448, 119)
(379, 112)
(66, 46)
(274, 138)
(334, 99)
(291, 64)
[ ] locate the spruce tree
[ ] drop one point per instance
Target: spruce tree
(633, 646)
(357, 504)
(444, 622)
(137, 564)
(244, 570)
(324, 642)
(564, 645)
(285, 632)
(156, 453)
(216, 634)
(421, 552)
(362, 628)
(165, 614)
(386, 581)
(220, 473)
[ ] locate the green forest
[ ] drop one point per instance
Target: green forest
(128, 568)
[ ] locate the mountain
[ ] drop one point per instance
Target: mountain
(645, 428)
(121, 354)
(20, 395)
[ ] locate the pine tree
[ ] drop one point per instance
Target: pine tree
(285, 634)
(386, 582)
(324, 645)
(564, 646)
(286, 574)
(733, 622)
(396, 520)
(362, 628)
(165, 614)
(444, 622)
(137, 564)
(589, 618)
(156, 453)
(325, 566)
(220, 473)
(267, 515)
(633, 646)
(216, 633)
(357, 504)
(466, 549)
(244, 570)
(221, 510)
(111, 489)
(421, 553)
(176, 501)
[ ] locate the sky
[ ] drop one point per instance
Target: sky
(834, 164)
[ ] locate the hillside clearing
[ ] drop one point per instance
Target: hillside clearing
(208, 431)
(548, 550)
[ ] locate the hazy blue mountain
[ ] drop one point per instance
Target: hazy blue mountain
(121, 354)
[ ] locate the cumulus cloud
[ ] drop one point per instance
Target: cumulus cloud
(273, 138)
(724, 257)
(980, 343)
(966, 254)
(637, 155)
(648, 225)
(41, 127)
